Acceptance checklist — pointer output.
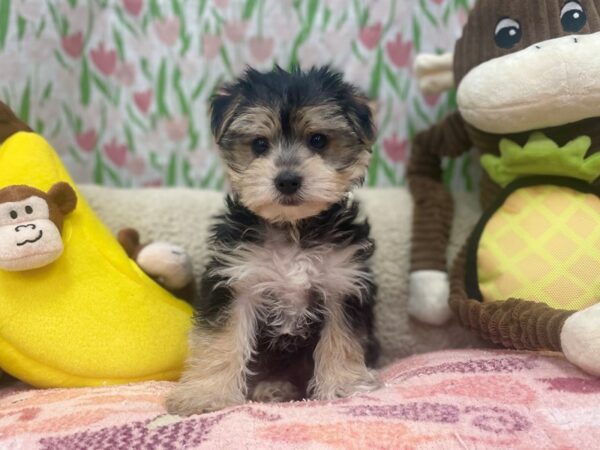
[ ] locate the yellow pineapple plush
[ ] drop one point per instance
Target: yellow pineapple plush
(88, 315)
(541, 239)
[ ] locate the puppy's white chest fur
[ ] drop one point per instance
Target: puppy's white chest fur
(281, 277)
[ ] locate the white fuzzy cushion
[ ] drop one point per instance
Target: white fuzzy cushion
(183, 216)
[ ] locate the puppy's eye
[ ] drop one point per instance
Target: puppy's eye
(260, 146)
(573, 17)
(508, 33)
(317, 141)
(13, 215)
(28, 209)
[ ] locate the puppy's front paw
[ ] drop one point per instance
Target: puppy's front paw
(275, 391)
(188, 399)
(169, 263)
(428, 297)
(331, 389)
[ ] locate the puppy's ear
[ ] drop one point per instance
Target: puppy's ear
(222, 107)
(63, 196)
(360, 114)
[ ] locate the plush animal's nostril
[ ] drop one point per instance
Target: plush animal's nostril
(538, 47)
(22, 227)
(288, 183)
(575, 40)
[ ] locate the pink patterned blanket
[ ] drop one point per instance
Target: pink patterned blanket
(455, 399)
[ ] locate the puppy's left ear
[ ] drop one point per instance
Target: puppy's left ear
(64, 197)
(222, 107)
(361, 116)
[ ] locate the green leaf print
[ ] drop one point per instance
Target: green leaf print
(4, 21)
(84, 83)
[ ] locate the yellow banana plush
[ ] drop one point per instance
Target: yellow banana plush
(91, 317)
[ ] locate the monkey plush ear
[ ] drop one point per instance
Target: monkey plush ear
(130, 241)
(63, 196)
(435, 72)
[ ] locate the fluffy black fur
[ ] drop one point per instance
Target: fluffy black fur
(289, 91)
(284, 355)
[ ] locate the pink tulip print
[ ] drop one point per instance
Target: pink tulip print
(73, 44)
(87, 140)
(399, 51)
(104, 60)
(211, 44)
(432, 100)
(117, 153)
(133, 7)
(395, 149)
(369, 36)
(143, 100)
(136, 166)
(177, 128)
(235, 31)
(125, 73)
(124, 85)
(167, 30)
(261, 48)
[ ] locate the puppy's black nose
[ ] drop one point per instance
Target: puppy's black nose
(288, 183)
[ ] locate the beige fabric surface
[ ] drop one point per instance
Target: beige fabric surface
(183, 216)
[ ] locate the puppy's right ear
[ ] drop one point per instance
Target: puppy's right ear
(222, 107)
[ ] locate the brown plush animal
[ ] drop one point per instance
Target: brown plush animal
(168, 264)
(528, 95)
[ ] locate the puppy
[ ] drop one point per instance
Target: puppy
(286, 305)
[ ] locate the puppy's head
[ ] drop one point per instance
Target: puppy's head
(293, 143)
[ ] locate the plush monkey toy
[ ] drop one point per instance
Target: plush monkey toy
(169, 264)
(528, 91)
(31, 224)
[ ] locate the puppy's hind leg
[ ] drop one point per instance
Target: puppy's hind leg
(217, 368)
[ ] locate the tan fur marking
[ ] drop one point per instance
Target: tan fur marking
(340, 369)
(215, 376)
(256, 121)
(311, 119)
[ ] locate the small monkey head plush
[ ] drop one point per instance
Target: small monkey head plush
(31, 223)
(528, 96)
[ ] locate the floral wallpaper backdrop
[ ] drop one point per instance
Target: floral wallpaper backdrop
(120, 87)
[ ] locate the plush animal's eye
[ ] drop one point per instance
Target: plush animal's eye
(260, 145)
(317, 141)
(28, 209)
(508, 33)
(14, 215)
(573, 17)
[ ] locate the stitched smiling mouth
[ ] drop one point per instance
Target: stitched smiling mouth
(31, 241)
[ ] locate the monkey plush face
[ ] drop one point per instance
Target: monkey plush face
(524, 65)
(31, 223)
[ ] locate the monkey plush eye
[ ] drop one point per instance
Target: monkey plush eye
(317, 141)
(13, 215)
(259, 146)
(28, 209)
(573, 17)
(508, 33)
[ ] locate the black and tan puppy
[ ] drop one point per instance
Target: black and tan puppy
(286, 308)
